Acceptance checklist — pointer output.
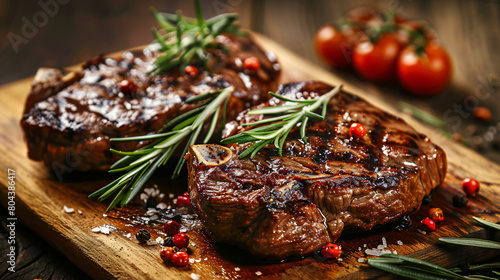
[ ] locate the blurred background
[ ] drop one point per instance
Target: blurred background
(59, 33)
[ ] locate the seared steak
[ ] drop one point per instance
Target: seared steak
(278, 207)
(70, 116)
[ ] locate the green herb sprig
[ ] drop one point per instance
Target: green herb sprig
(186, 40)
(417, 269)
(286, 116)
(141, 164)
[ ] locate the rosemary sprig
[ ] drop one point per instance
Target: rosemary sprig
(417, 269)
(185, 40)
(286, 116)
(141, 164)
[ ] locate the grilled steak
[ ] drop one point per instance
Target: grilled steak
(278, 207)
(70, 116)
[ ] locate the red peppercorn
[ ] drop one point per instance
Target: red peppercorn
(183, 200)
(171, 228)
(251, 63)
(180, 258)
(436, 214)
(128, 86)
(166, 253)
(470, 187)
(181, 240)
(331, 251)
(191, 70)
(357, 130)
(428, 224)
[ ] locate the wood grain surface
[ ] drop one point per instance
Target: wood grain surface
(40, 198)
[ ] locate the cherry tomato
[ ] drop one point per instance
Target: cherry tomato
(333, 46)
(427, 74)
(377, 61)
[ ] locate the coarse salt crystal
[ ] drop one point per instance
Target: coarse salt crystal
(151, 242)
(380, 247)
(359, 248)
(400, 243)
(258, 273)
(96, 229)
(340, 259)
(195, 276)
(68, 210)
(384, 242)
(80, 212)
(236, 269)
(422, 231)
(361, 260)
(205, 259)
(191, 261)
(105, 230)
(364, 245)
(171, 195)
(395, 252)
(159, 240)
(128, 235)
(104, 215)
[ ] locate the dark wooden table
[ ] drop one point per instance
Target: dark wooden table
(76, 31)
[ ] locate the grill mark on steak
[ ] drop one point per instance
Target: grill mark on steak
(290, 206)
(74, 114)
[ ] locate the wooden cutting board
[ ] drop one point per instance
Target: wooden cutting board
(40, 198)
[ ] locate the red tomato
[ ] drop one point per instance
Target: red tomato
(425, 75)
(333, 46)
(377, 62)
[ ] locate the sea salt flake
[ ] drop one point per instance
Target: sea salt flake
(96, 229)
(340, 259)
(359, 248)
(105, 230)
(361, 260)
(104, 215)
(384, 242)
(380, 247)
(395, 252)
(191, 261)
(159, 240)
(195, 276)
(80, 212)
(68, 210)
(258, 273)
(237, 269)
(161, 206)
(400, 243)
